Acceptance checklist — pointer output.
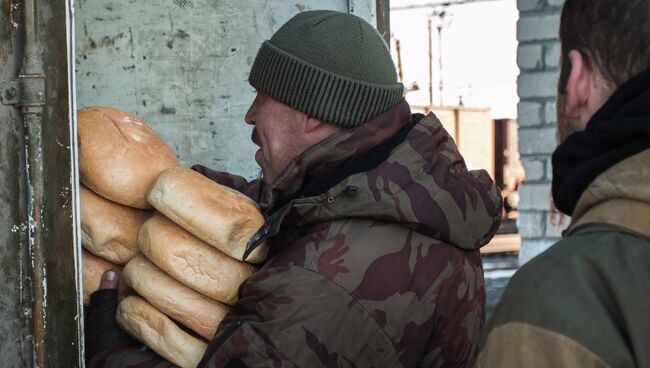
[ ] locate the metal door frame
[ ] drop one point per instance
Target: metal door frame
(43, 257)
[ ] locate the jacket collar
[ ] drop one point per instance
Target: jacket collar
(331, 152)
(619, 197)
(279, 198)
(617, 131)
(422, 184)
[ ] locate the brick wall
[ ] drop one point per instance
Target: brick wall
(539, 223)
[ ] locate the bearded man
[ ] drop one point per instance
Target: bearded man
(585, 301)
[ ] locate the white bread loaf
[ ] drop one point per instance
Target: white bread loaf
(109, 230)
(120, 156)
(191, 261)
(184, 305)
(218, 215)
(151, 327)
(92, 269)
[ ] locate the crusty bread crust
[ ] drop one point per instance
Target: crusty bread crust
(186, 306)
(218, 215)
(109, 230)
(151, 327)
(120, 156)
(191, 261)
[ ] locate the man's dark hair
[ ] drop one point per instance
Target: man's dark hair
(612, 35)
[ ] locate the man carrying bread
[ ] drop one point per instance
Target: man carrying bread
(373, 222)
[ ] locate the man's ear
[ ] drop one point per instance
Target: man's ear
(579, 85)
(317, 130)
(312, 124)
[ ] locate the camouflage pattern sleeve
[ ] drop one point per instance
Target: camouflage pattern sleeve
(236, 182)
(459, 316)
(362, 292)
(294, 317)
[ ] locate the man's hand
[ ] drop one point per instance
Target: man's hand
(109, 280)
(102, 330)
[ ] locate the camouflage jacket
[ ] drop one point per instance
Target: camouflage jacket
(375, 235)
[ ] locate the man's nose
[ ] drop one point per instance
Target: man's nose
(250, 114)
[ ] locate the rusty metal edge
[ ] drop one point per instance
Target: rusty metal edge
(383, 19)
(16, 169)
(32, 68)
(74, 178)
(53, 229)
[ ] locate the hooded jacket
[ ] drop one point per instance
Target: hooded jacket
(374, 235)
(585, 301)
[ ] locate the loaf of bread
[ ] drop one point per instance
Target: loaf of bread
(218, 215)
(109, 230)
(191, 261)
(92, 269)
(120, 156)
(157, 331)
(184, 305)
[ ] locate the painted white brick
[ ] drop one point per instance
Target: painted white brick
(556, 223)
(530, 225)
(537, 27)
(530, 56)
(537, 141)
(527, 5)
(537, 84)
(550, 113)
(531, 248)
(529, 113)
(545, 27)
(535, 197)
(534, 168)
(552, 55)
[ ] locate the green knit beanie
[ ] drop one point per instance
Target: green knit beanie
(332, 66)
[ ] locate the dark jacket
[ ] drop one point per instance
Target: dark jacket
(375, 235)
(585, 302)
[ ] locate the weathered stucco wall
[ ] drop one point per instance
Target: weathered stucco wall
(183, 66)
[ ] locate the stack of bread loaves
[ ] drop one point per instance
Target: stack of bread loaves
(185, 263)
(119, 159)
(193, 250)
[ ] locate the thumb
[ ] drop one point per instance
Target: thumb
(109, 280)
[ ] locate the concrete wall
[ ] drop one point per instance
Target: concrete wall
(182, 66)
(540, 224)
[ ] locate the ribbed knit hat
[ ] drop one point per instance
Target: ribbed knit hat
(332, 66)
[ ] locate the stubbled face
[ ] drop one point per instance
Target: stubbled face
(566, 125)
(277, 132)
